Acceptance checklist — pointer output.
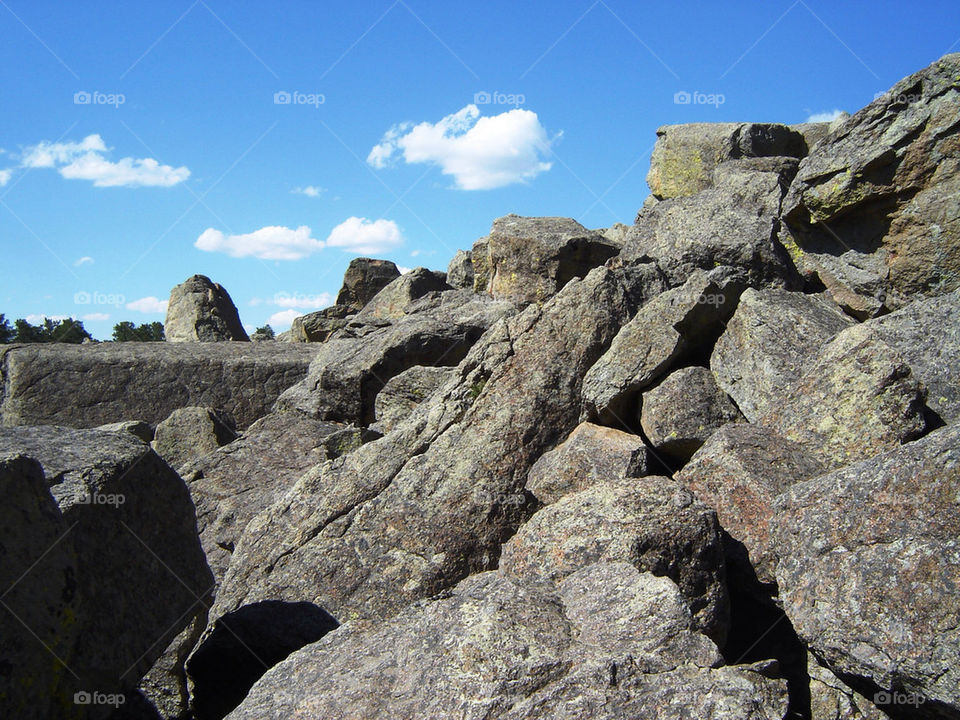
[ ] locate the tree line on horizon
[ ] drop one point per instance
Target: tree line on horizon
(72, 331)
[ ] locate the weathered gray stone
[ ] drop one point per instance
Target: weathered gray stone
(679, 414)
(460, 271)
(396, 298)
(140, 571)
(364, 278)
(493, 648)
(651, 522)
(137, 428)
(869, 567)
(530, 258)
(858, 398)
(201, 310)
(667, 329)
(320, 325)
(830, 699)
(87, 386)
(685, 156)
(875, 209)
(769, 343)
(813, 132)
(190, 432)
(739, 472)
(479, 257)
(590, 454)
(404, 392)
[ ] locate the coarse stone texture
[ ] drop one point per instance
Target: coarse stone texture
(404, 392)
(201, 310)
(191, 432)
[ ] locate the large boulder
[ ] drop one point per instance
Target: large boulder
(588, 455)
(190, 432)
(460, 272)
(736, 223)
(685, 156)
(530, 258)
(869, 569)
(136, 570)
(404, 392)
(675, 325)
(91, 385)
(875, 210)
(769, 343)
(739, 472)
(343, 539)
(612, 643)
(318, 326)
(679, 414)
(351, 368)
(201, 310)
(364, 278)
(857, 398)
(651, 522)
(397, 297)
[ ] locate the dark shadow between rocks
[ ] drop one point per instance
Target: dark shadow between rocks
(243, 645)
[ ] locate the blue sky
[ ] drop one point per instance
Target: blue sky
(267, 144)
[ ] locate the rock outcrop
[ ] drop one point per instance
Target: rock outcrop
(91, 385)
(201, 310)
(190, 432)
(402, 393)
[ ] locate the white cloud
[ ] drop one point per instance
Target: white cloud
(268, 243)
(148, 304)
(85, 260)
(828, 116)
(95, 316)
(310, 191)
(403, 270)
(283, 319)
(301, 300)
(85, 160)
(35, 319)
(480, 153)
(368, 237)
(5, 176)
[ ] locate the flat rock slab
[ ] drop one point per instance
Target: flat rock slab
(89, 385)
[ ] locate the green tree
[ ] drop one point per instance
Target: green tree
(263, 333)
(67, 330)
(126, 331)
(7, 333)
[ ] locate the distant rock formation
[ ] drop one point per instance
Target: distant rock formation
(201, 310)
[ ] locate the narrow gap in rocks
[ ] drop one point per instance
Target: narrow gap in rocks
(243, 645)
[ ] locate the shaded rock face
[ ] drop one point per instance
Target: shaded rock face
(460, 272)
(739, 472)
(396, 298)
(590, 454)
(342, 538)
(129, 535)
(680, 413)
(201, 310)
(685, 156)
(611, 643)
(769, 343)
(318, 326)
(87, 386)
(873, 590)
(650, 522)
(364, 278)
(530, 259)
(241, 646)
(404, 392)
(191, 432)
(875, 209)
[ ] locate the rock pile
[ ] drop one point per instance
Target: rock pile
(705, 466)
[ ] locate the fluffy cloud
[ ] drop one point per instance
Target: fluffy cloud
(5, 176)
(273, 242)
(95, 316)
(148, 304)
(310, 191)
(283, 319)
(85, 260)
(85, 160)
(368, 237)
(828, 116)
(480, 153)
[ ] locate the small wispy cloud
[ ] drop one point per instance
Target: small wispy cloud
(826, 116)
(85, 260)
(313, 191)
(283, 319)
(148, 304)
(95, 316)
